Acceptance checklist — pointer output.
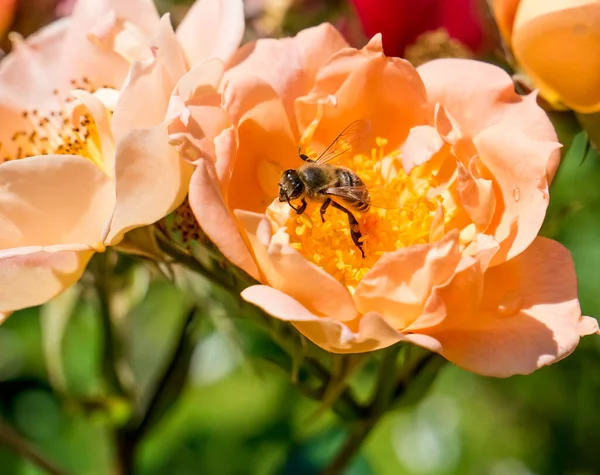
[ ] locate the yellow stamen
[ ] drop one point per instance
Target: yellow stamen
(56, 133)
(329, 244)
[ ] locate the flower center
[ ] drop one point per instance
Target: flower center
(409, 222)
(59, 132)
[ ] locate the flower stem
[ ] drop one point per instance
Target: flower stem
(387, 393)
(358, 434)
(10, 438)
(110, 354)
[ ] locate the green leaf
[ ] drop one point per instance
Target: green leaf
(591, 124)
(579, 149)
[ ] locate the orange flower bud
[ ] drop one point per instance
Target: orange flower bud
(557, 43)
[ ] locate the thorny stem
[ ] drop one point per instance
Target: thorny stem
(10, 438)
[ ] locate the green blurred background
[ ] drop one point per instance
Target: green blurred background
(240, 415)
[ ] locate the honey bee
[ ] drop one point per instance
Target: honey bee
(330, 185)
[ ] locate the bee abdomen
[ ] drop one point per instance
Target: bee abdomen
(349, 178)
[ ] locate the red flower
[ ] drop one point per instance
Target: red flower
(402, 21)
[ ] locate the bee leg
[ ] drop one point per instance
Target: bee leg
(303, 156)
(355, 233)
(302, 207)
(323, 208)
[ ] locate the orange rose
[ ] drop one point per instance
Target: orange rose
(456, 267)
(557, 43)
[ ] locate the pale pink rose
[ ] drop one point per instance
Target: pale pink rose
(457, 268)
(85, 156)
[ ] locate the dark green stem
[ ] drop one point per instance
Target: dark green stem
(172, 378)
(387, 391)
(10, 438)
(111, 352)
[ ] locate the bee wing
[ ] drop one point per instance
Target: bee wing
(376, 197)
(351, 139)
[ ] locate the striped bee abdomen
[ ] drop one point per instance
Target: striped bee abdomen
(357, 196)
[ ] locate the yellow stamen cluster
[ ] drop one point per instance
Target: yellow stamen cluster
(56, 133)
(407, 219)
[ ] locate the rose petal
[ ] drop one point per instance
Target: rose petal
(51, 273)
(519, 168)
(195, 117)
(528, 316)
(96, 109)
(567, 32)
(28, 75)
(288, 65)
(477, 94)
(399, 284)
(216, 220)
(211, 29)
(390, 114)
(476, 195)
(281, 264)
(327, 333)
(505, 12)
(265, 143)
(151, 180)
(154, 79)
(53, 199)
(98, 62)
(422, 143)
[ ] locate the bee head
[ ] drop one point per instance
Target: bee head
(290, 186)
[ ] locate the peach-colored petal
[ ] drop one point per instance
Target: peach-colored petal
(195, 117)
(92, 105)
(588, 326)
(351, 71)
(216, 220)
(33, 278)
(155, 79)
(27, 75)
(374, 333)
(151, 180)
(476, 195)
(519, 168)
(53, 199)
(266, 145)
(476, 94)
(277, 62)
(211, 29)
(288, 65)
(422, 143)
(281, 264)
(399, 284)
(316, 46)
(87, 54)
(528, 316)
